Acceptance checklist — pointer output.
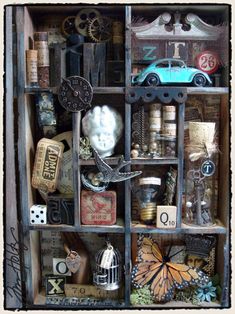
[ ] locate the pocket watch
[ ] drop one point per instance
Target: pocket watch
(75, 93)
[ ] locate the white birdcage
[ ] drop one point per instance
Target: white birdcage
(108, 270)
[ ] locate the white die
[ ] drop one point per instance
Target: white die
(38, 215)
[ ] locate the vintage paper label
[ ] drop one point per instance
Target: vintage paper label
(107, 258)
(47, 164)
(43, 53)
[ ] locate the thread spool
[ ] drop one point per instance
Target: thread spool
(169, 130)
(169, 113)
(169, 122)
(31, 64)
(41, 45)
(155, 125)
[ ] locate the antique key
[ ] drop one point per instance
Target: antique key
(197, 178)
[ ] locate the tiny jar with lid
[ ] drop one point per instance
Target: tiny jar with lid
(169, 131)
(200, 171)
(155, 125)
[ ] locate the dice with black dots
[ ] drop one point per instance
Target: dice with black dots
(38, 215)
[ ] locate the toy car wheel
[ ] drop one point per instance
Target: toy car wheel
(199, 80)
(152, 80)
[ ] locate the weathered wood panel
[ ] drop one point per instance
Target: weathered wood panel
(13, 285)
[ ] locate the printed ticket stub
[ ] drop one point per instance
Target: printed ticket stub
(47, 165)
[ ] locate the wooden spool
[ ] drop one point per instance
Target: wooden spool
(31, 64)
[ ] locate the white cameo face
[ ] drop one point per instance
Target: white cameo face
(103, 142)
(103, 125)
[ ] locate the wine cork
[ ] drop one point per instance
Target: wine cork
(201, 133)
(41, 45)
(31, 65)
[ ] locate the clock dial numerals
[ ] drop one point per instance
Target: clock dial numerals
(75, 93)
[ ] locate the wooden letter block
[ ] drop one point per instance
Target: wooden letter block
(60, 267)
(94, 63)
(177, 50)
(55, 64)
(55, 285)
(115, 73)
(60, 209)
(166, 217)
(98, 208)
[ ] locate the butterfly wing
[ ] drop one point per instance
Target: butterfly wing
(149, 263)
(150, 251)
(162, 286)
(162, 276)
(185, 275)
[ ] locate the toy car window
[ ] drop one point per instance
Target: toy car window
(162, 65)
(175, 64)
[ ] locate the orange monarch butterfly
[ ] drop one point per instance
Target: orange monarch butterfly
(163, 276)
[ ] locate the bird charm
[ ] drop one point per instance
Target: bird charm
(108, 174)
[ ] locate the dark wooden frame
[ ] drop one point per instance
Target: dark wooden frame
(30, 233)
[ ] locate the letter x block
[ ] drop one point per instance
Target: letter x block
(55, 285)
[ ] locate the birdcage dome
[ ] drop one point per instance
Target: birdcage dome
(108, 270)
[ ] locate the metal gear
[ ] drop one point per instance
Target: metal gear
(68, 26)
(100, 29)
(82, 19)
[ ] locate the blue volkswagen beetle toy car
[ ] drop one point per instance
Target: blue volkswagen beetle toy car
(170, 71)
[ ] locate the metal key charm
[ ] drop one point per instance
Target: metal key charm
(73, 261)
(197, 178)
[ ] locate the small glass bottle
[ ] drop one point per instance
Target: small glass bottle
(41, 45)
(200, 168)
(146, 194)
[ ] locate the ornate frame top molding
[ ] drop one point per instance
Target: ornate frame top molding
(199, 30)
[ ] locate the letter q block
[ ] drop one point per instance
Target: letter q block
(166, 217)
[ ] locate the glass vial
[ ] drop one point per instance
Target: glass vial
(200, 169)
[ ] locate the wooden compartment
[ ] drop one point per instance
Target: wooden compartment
(125, 99)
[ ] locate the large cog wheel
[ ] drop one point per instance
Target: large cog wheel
(100, 29)
(82, 19)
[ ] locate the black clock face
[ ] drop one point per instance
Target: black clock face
(75, 93)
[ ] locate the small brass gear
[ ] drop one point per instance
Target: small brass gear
(100, 29)
(82, 19)
(68, 26)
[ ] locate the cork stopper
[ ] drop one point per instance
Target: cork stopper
(201, 133)
(40, 36)
(31, 54)
(150, 180)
